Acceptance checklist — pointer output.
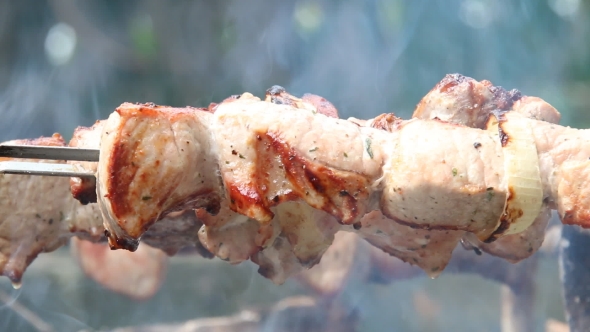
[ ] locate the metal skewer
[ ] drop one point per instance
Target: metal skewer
(47, 153)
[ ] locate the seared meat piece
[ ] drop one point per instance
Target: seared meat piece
(139, 274)
(463, 100)
(84, 189)
(38, 214)
(283, 155)
(154, 160)
(298, 234)
(428, 196)
(438, 245)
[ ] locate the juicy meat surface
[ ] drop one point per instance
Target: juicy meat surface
(158, 160)
(37, 214)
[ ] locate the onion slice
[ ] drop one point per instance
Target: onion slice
(524, 197)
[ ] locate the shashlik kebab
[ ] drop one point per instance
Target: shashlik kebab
(274, 180)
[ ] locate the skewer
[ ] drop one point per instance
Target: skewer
(47, 153)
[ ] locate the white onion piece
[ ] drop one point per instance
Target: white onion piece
(523, 180)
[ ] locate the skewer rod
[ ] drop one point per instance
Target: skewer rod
(48, 152)
(48, 169)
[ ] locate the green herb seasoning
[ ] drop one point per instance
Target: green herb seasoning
(314, 149)
(345, 155)
(369, 150)
(491, 193)
(454, 171)
(146, 198)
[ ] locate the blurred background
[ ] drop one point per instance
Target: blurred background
(69, 63)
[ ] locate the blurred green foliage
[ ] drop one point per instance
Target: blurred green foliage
(367, 57)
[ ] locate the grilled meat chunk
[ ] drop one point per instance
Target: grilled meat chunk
(38, 214)
(465, 101)
(159, 160)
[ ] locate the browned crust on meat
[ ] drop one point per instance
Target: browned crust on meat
(388, 122)
(127, 168)
(579, 217)
(322, 105)
(84, 190)
(278, 95)
(572, 201)
(246, 196)
(503, 100)
(121, 173)
(342, 194)
(213, 106)
(481, 104)
(123, 169)
(508, 217)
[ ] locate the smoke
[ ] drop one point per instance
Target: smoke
(64, 64)
(80, 60)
